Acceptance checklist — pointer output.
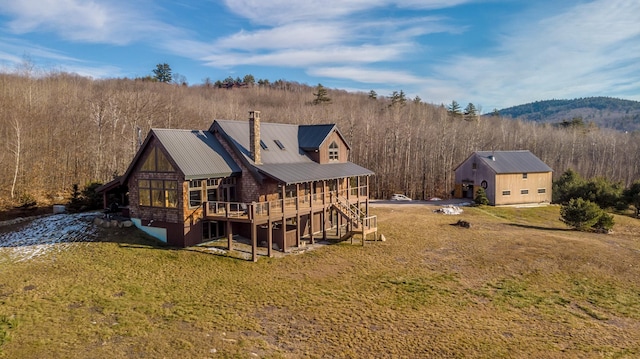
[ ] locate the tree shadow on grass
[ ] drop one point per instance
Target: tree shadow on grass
(528, 226)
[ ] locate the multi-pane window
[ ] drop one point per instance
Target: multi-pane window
(542, 190)
(506, 193)
(158, 193)
(524, 191)
(212, 189)
(334, 152)
(195, 193)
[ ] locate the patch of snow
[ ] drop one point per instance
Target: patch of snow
(46, 234)
(450, 209)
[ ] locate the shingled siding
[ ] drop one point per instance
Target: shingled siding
(323, 151)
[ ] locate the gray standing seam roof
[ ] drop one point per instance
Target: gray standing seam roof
(198, 154)
(291, 164)
(238, 132)
(513, 161)
(305, 172)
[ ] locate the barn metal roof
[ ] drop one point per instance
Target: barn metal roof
(312, 171)
(513, 161)
(198, 154)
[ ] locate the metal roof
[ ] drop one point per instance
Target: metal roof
(198, 154)
(290, 164)
(310, 137)
(304, 172)
(238, 133)
(513, 161)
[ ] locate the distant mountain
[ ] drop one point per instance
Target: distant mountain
(623, 115)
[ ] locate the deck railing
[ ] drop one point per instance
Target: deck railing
(281, 206)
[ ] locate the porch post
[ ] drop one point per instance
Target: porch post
(324, 210)
(229, 236)
(366, 206)
(284, 219)
(269, 238)
(311, 214)
(254, 242)
(269, 231)
(297, 215)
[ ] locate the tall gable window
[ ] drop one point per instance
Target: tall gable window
(334, 152)
(156, 162)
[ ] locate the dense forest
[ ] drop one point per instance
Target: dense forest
(607, 112)
(61, 129)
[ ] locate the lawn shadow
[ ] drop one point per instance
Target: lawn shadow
(528, 226)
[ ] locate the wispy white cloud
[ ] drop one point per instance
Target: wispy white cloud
(367, 76)
(588, 50)
(277, 12)
(315, 56)
(116, 22)
(334, 37)
(14, 53)
(295, 35)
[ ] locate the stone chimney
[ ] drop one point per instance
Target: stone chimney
(254, 136)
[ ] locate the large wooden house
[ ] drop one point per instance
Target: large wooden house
(270, 183)
(508, 177)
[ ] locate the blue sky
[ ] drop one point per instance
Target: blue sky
(493, 53)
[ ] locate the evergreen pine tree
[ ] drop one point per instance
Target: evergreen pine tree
(322, 95)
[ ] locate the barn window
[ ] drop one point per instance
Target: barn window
(524, 176)
(506, 193)
(334, 152)
(542, 190)
(524, 191)
(474, 166)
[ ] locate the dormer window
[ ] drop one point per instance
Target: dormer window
(334, 152)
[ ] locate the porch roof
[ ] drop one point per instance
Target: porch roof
(311, 171)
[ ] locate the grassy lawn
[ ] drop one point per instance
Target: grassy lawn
(516, 284)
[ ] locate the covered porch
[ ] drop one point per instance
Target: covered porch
(287, 221)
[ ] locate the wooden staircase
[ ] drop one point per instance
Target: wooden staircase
(359, 222)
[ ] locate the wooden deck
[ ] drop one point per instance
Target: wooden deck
(348, 204)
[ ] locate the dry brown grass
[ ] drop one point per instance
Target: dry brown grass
(516, 284)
